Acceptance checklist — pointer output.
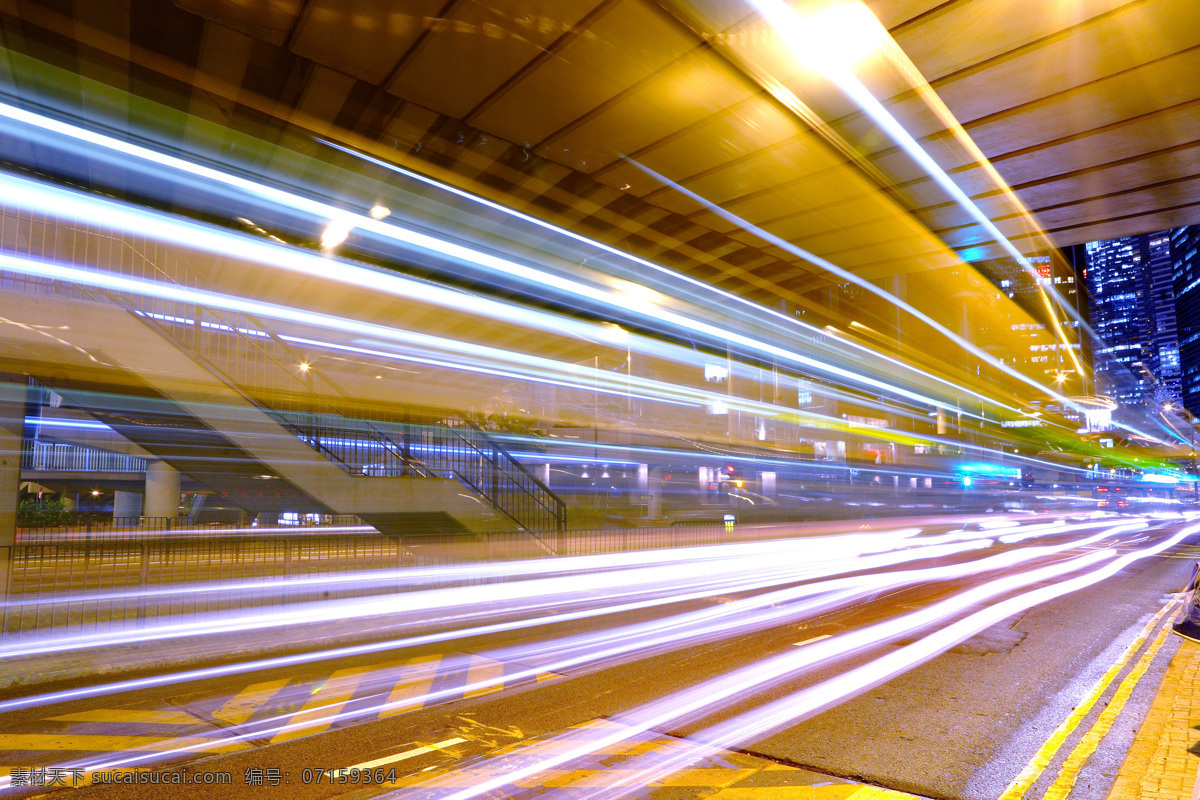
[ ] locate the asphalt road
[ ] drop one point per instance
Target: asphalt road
(961, 723)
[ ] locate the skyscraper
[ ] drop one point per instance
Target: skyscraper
(1041, 353)
(1122, 294)
(1164, 349)
(1185, 257)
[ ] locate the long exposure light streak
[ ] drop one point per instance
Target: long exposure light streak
(655, 389)
(368, 222)
(847, 275)
(711, 695)
(646, 637)
(803, 704)
(832, 552)
(692, 569)
(705, 288)
(802, 38)
(389, 282)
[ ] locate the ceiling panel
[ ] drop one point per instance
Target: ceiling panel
(690, 90)
(479, 47)
(625, 45)
(363, 38)
(271, 21)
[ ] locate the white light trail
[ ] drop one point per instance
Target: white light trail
(808, 702)
(704, 288)
(161, 227)
(746, 614)
(712, 695)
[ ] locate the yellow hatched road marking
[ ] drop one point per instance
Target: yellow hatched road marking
(130, 715)
(242, 705)
(715, 782)
(1045, 754)
(483, 669)
(32, 742)
(328, 700)
(416, 676)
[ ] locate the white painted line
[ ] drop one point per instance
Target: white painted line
(814, 639)
(407, 754)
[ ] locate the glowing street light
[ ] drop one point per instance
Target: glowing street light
(336, 233)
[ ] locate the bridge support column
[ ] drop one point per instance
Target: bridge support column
(12, 432)
(162, 490)
(126, 505)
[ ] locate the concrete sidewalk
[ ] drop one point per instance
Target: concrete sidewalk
(1160, 764)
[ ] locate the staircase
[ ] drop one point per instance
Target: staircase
(260, 390)
(457, 449)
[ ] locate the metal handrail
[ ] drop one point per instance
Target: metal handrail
(356, 446)
(523, 479)
(459, 450)
(41, 456)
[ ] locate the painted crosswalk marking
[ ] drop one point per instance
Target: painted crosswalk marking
(129, 715)
(327, 701)
(724, 775)
(484, 670)
(394, 687)
(242, 705)
(416, 677)
(42, 742)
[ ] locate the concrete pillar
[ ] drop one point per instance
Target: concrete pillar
(162, 490)
(766, 483)
(126, 505)
(647, 491)
(542, 472)
(654, 486)
(12, 432)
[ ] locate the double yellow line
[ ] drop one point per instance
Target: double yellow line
(1069, 771)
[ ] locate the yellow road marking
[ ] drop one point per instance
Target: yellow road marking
(1045, 754)
(416, 676)
(483, 669)
(319, 713)
(1069, 773)
(130, 715)
(407, 754)
(785, 793)
(242, 705)
(548, 676)
(878, 793)
(65, 741)
(604, 777)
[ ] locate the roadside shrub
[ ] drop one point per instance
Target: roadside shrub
(44, 513)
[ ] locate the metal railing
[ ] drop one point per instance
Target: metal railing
(55, 457)
(482, 464)
(355, 445)
(106, 586)
(149, 528)
(65, 586)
